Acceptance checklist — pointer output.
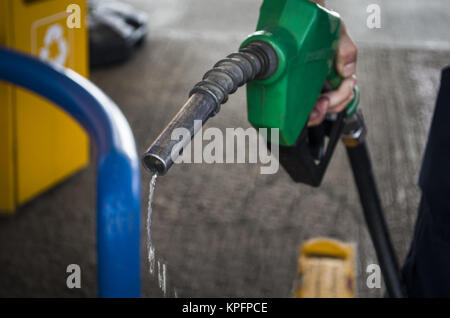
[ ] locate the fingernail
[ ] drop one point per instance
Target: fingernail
(314, 114)
(349, 69)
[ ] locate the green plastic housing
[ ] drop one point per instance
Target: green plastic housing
(305, 37)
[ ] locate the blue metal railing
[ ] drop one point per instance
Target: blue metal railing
(118, 176)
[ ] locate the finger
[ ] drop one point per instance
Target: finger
(319, 111)
(342, 106)
(347, 55)
(345, 90)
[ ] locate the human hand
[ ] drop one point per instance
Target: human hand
(335, 101)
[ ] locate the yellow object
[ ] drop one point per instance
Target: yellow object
(326, 270)
(40, 144)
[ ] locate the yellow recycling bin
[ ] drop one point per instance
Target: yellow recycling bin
(40, 145)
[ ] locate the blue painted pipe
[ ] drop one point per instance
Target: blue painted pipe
(118, 176)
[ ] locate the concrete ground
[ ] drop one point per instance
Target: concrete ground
(226, 230)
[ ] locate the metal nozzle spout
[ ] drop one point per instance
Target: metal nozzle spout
(161, 154)
(155, 164)
(257, 60)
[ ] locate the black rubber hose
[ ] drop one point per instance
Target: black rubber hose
(373, 214)
(257, 60)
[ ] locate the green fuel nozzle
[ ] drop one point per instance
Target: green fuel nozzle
(285, 64)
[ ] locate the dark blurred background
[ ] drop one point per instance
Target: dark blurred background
(226, 230)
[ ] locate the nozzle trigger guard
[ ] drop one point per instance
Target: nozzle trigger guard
(307, 161)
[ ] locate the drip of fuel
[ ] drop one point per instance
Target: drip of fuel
(161, 267)
(150, 249)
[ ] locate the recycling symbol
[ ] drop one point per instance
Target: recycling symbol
(54, 35)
